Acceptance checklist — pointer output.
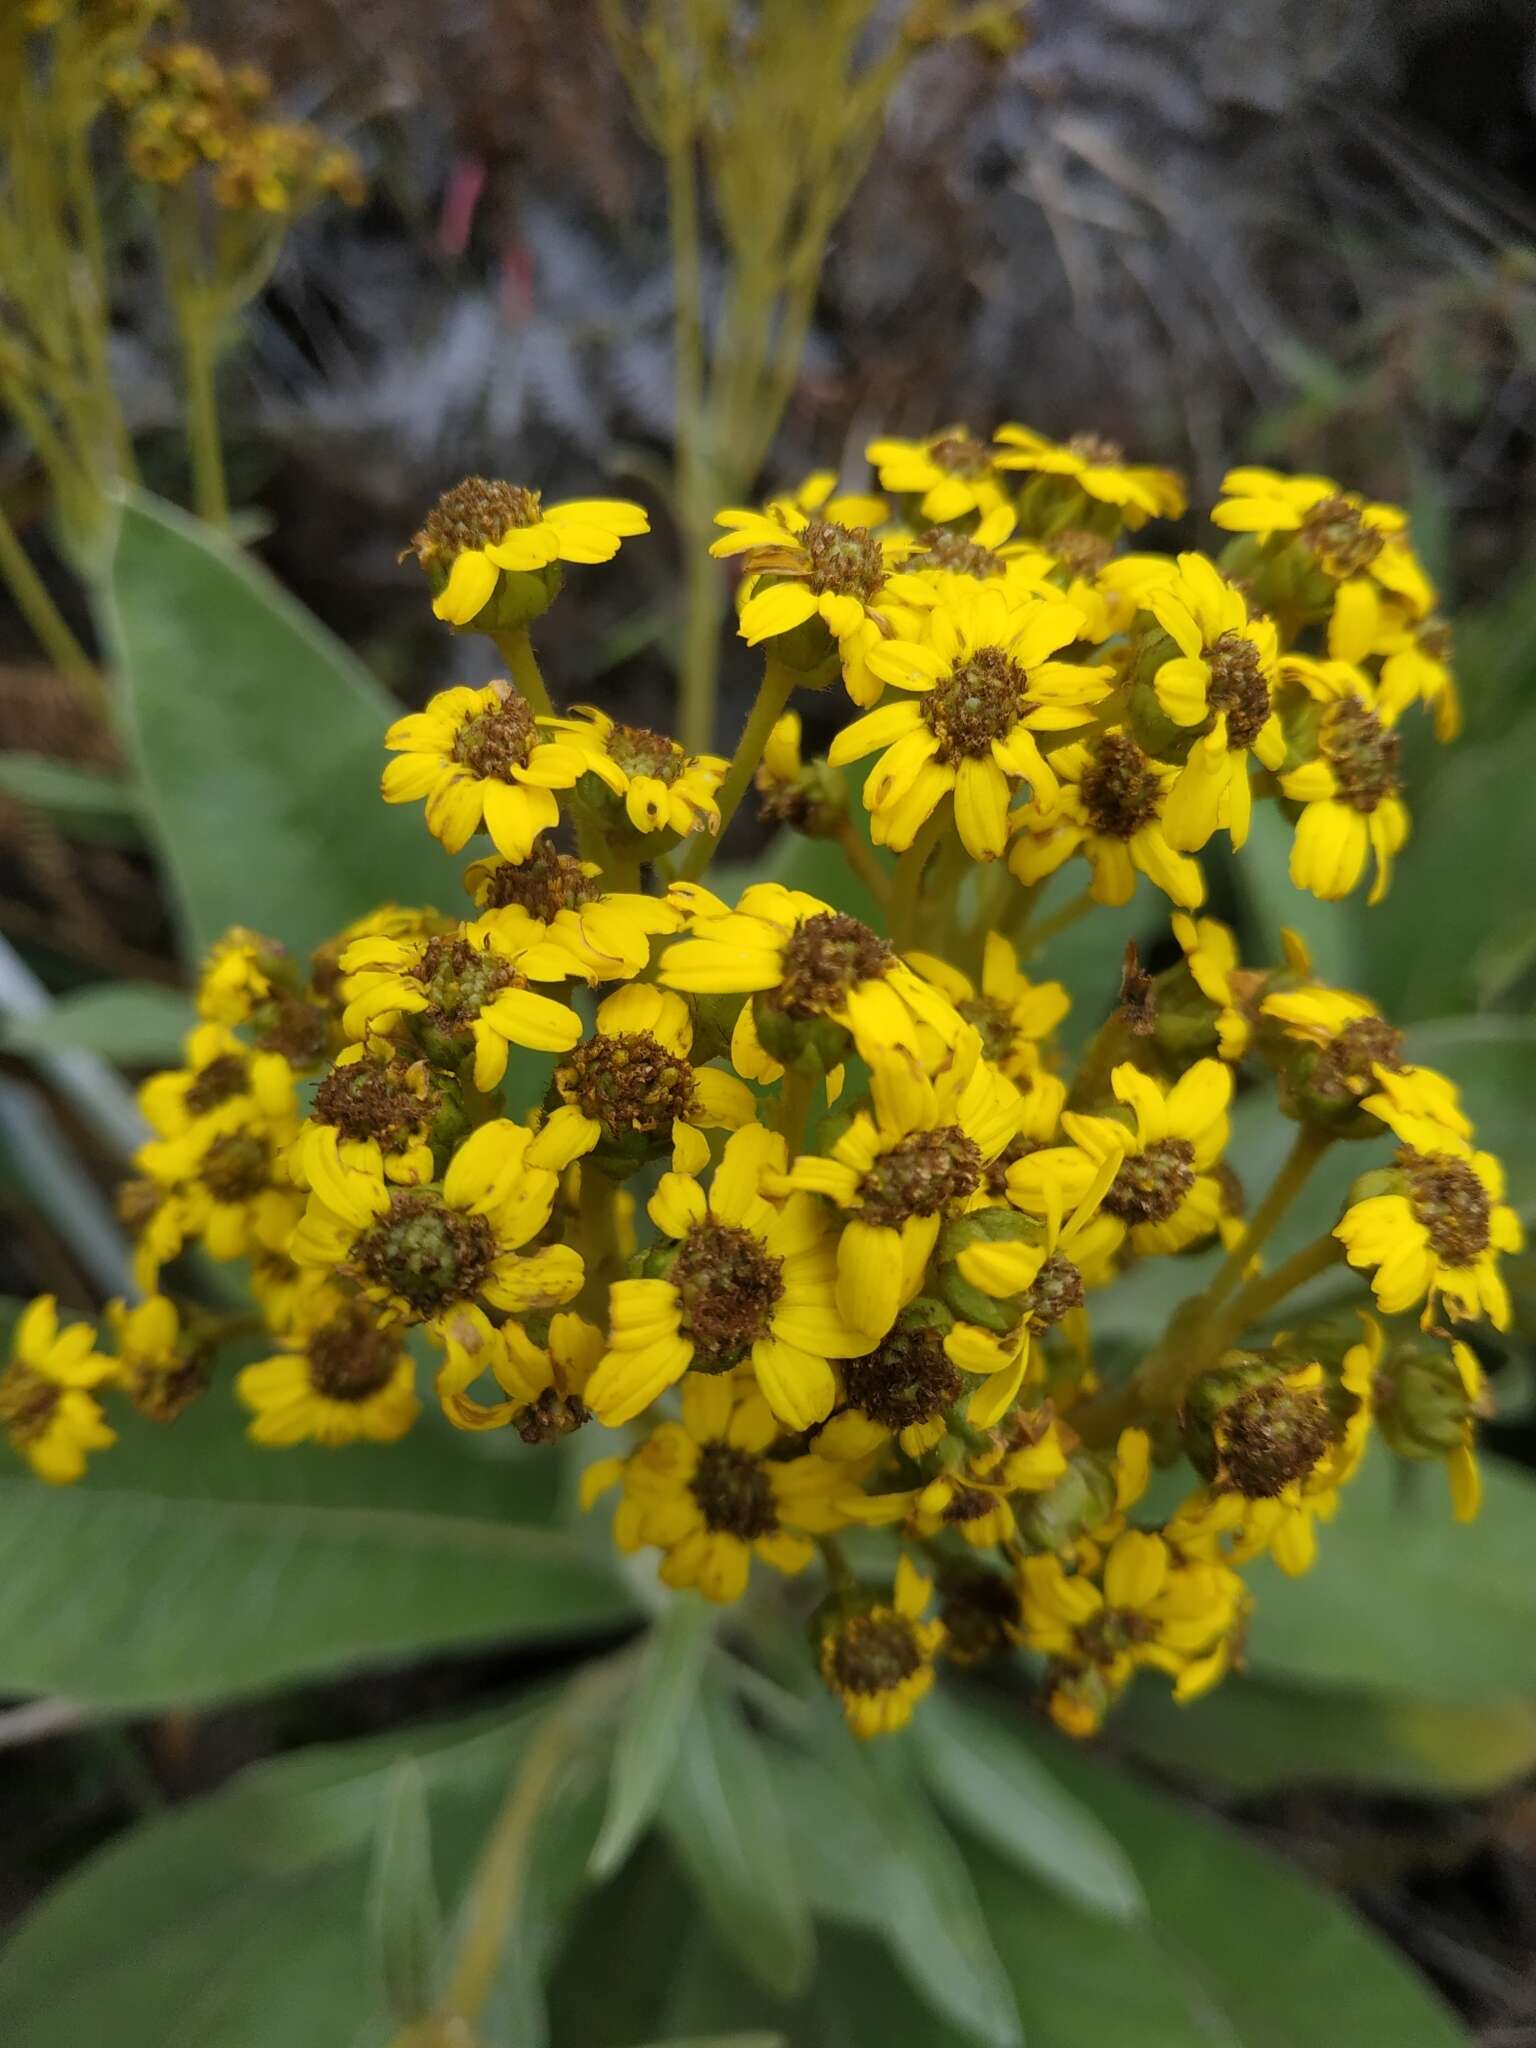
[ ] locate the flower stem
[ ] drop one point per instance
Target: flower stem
(795, 1095)
(516, 650)
(861, 857)
(1307, 1148)
(1041, 935)
(1268, 1290)
(35, 602)
(907, 892)
(598, 1230)
(772, 695)
(210, 493)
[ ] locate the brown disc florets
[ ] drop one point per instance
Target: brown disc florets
(1238, 688)
(1080, 550)
(981, 1614)
(1120, 788)
(1151, 1183)
(639, 751)
(942, 548)
(628, 1081)
(906, 1380)
(552, 1416)
(236, 1167)
(426, 1253)
(391, 1101)
(1054, 1292)
(473, 514)
(960, 455)
(220, 1081)
(994, 1021)
(871, 1653)
(981, 700)
(825, 957)
(1363, 753)
(351, 1357)
(734, 1493)
(494, 742)
(1270, 1435)
(460, 979)
(921, 1175)
(1451, 1202)
(1097, 449)
(543, 885)
(1344, 1069)
(845, 559)
(27, 1402)
(292, 1025)
(1340, 537)
(729, 1288)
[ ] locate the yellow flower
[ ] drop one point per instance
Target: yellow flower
(343, 1376)
(557, 920)
(1099, 469)
(740, 1278)
(375, 1094)
(1461, 1467)
(481, 528)
(424, 1252)
(809, 967)
(708, 1492)
(1356, 1063)
(1435, 1233)
(454, 996)
(1012, 1013)
(803, 567)
(544, 1384)
(900, 1171)
(477, 757)
(903, 1388)
(1415, 668)
(227, 1173)
(1210, 954)
(1356, 544)
(878, 1660)
(630, 1090)
(951, 474)
(661, 786)
(158, 1364)
(238, 976)
(223, 1085)
(45, 1409)
(1110, 807)
(982, 685)
(1349, 789)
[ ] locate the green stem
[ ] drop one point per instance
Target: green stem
(773, 694)
(861, 857)
(839, 1570)
(516, 650)
(1268, 1290)
(906, 894)
(1110, 1045)
(1307, 1148)
(796, 1092)
(1069, 914)
(597, 1224)
(210, 493)
(35, 602)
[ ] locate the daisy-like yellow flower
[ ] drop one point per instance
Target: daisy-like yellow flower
(659, 784)
(951, 474)
(707, 1492)
(1218, 685)
(159, 1365)
(1349, 788)
(1349, 1068)
(1163, 1191)
(544, 1384)
(223, 1084)
(1415, 668)
(376, 1094)
(898, 1170)
(805, 567)
(1098, 468)
(630, 1091)
(1012, 1014)
(1152, 1610)
(482, 528)
(1435, 1231)
(1111, 807)
(981, 686)
(424, 1252)
(457, 996)
(740, 1278)
(46, 1407)
(1428, 1400)
(557, 920)
(478, 758)
(343, 1376)
(819, 980)
(1362, 547)
(228, 1179)
(238, 976)
(1210, 955)
(877, 1658)
(904, 1388)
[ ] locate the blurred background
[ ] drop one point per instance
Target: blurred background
(1301, 232)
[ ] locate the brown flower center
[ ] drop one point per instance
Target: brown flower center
(981, 700)
(1097, 449)
(27, 1403)
(1452, 1204)
(639, 751)
(825, 957)
(734, 1493)
(1362, 752)
(872, 1653)
(426, 1253)
(460, 978)
(474, 514)
(906, 1379)
(351, 1357)
(921, 1175)
(1270, 1435)
(1344, 1069)
(980, 1610)
(237, 1167)
(1339, 537)
(729, 1288)
(220, 1081)
(543, 885)
(994, 1021)
(628, 1081)
(377, 1099)
(1055, 1291)
(552, 1416)
(942, 548)
(293, 1026)
(840, 558)
(1151, 1184)
(494, 742)
(1120, 788)
(960, 455)
(1238, 688)
(1080, 550)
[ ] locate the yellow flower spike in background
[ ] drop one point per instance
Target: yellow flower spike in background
(950, 474)
(48, 1408)
(877, 1657)
(1098, 469)
(479, 759)
(1362, 547)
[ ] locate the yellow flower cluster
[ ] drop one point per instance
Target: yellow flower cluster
(811, 1210)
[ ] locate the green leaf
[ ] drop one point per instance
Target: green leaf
(659, 1709)
(240, 1921)
(1239, 1951)
(193, 1565)
(85, 803)
(403, 1910)
(991, 1784)
(722, 1817)
(259, 743)
(1257, 1735)
(136, 1023)
(1405, 1601)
